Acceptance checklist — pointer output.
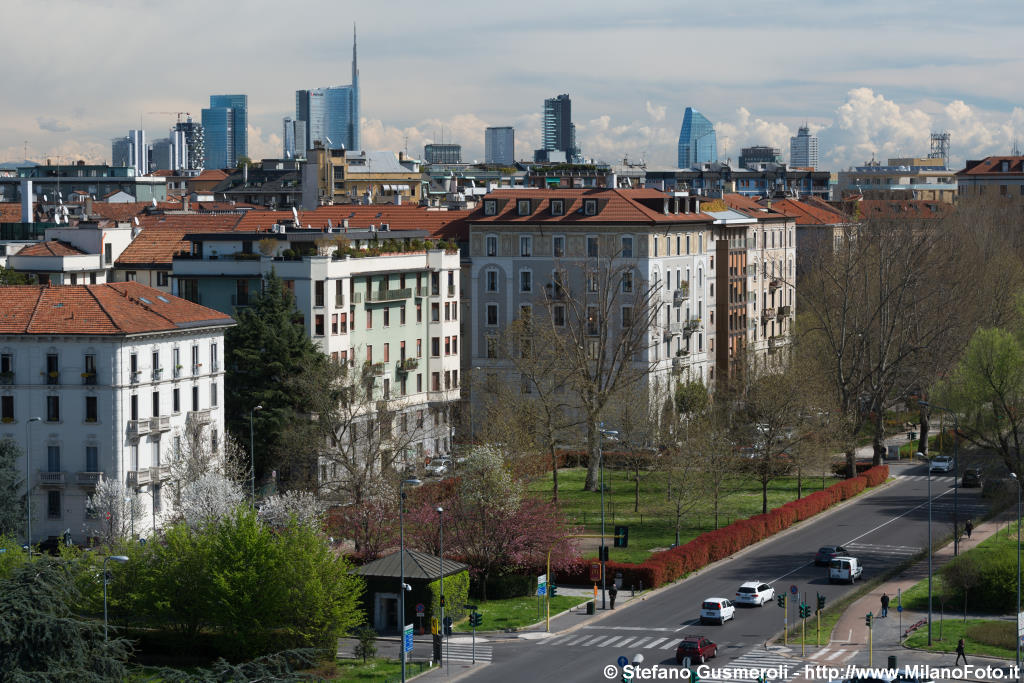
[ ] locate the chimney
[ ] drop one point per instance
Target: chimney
(245, 174)
(398, 199)
(184, 202)
(26, 202)
(88, 205)
(613, 181)
(664, 206)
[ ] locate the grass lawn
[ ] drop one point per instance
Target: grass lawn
(652, 527)
(517, 612)
(916, 598)
(993, 638)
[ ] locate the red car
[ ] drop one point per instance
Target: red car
(697, 648)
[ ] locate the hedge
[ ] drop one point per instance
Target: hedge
(670, 565)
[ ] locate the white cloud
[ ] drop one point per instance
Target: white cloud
(655, 112)
(51, 124)
(264, 146)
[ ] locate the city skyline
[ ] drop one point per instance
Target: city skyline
(864, 91)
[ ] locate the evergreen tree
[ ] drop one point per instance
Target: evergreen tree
(266, 349)
(12, 490)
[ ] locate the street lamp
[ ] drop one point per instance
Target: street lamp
(401, 562)
(956, 473)
(611, 435)
(921, 455)
(252, 458)
(1017, 481)
(440, 529)
(116, 558)
(28, 483)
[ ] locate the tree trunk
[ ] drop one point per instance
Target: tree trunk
(879, 440)
(554, 474)
(592, 465)
(636, 489)
(925, 424)
(851, 462)
(764, 496)
(799, 483)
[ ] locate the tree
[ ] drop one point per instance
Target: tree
(961, 575)
(10, 277)
(302, 507)
(366, 639)
(12, 489)
(209, 499)
(42, 637)
(265, 350)
(117, 507)
(280, 667)
(371, 524)
(717, 462)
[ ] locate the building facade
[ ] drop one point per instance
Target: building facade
(698, 143)
(558, 132)
(336, 176)
(751, 156)
(100, 382)
(225, 126)
(97, 180)
(803, 149)
(996, 176)
(293, 139)
(906, 178)
(442, 153)
(195, 142)
(500, 145)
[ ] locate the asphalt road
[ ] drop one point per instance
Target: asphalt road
(879, 529)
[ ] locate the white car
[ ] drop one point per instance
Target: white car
(717, 610)
(754, 593)
(437, 468)
(941, 463)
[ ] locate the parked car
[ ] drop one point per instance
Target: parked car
(844, 569)
(971, 478)
(941, 463)
(438, 468)
(754, 593)
(697, 648)
(825, 553)
(717, 610)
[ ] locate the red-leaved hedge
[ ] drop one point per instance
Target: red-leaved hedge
(670, 565)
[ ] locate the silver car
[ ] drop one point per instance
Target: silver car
(941, 463)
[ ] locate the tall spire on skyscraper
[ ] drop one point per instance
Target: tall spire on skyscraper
(354, 114)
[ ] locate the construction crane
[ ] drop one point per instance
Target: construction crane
(169, 113)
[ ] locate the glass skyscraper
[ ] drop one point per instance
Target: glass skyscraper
(225, 125)
(803, 149)
(697, 141)
(331, 115)
(500, 145)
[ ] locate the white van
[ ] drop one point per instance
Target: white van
(717, 609)
(844, 569)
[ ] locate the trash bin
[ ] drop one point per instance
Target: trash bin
(590, 607)
(892, 662)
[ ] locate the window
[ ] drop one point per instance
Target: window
(387, 317)
(52, 369)
(419, 312)
(419, 383)
(334, 323)
(435, 381)
(401, 314)
(523, 207)
(627, 282)
(176, 400)
(525, 281)
(447, 310)
(108, 254)
(627, 316)
(369, 353)
(53, 505)
(592, 282)
(593, 320)
(558, 245)
(195, 398)
(491, 242)
(7, 408)
(214, 441)
(592, 247)
(589, 207)
(387, 388)
(318, 293)
(627, 247)
(419, 348)
(161, 278)
(53, 409)
(435, 284)
(525, 245)
(369, 319)
(490, 209)
(92, 459)
(492, 314)
(387, 352)
(447, 346)
(195, 360)
(558, 314)
(491, 281)
(91, 412)
(7, 363)
(435, 312)
(435, 346)
(557, 207)
(213, 396)
(318, 325)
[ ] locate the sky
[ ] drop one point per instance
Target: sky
(871, 79)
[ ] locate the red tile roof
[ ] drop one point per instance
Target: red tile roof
(112, 309)
(613, 206)
(10, 212)
(361, 217)
(993, 166)
(808, 213)
(211, 175)
(51, 248)
(903, 208)
(128, 210)
(739, 202)
(162, 236)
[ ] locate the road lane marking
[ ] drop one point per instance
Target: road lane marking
(609, 641)
(641, 640)
(654, 643)
(837, 653)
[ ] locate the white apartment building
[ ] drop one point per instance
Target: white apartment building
(99, 381)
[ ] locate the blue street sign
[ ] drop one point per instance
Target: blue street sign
(793, 589)
(542, 589)
(899, 608)
(407, 637)
(623, 661)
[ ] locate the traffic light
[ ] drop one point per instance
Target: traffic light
(475, 619)
(603, 553)
(805, 610)
(821, 602)
(694, 677)
(442, 601)
(868, 619)
(781, 599)
(622, 537)
(552, 589)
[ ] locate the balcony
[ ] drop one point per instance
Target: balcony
(451, 290)
(785, 311)
(177, 371)
(157, 373)
(51, 478)
(160, 424)
(138, 428)
(137, 477)
(767, 315)
(133, 376)
(159, 473)
(198, 417)
(357, 297)
(682, 294)
(774, 284)
(88, 479)
(375, 369)
(89, 378)
(53, 377)
(691, 326)
(7, 377)
(382, 295)
(404, 366)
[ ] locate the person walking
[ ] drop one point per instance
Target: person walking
(612, 592)
(885, 605)
(968, 528)
(960, 652)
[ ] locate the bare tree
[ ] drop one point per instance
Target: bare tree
(117, 507)
(718, 465)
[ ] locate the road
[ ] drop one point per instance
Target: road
(880, 529)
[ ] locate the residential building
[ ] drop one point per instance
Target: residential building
(698, 143)
(195, 142)
(925, 179)
(751, 156)
(225, 130)
(558, 132)
(273, 183)
(766, 180)
(351, 177)
(331, 115)
(500, 145)
(96, 180)
(803, 149)
(995, 176)
(820, 228)
(102, 381)
(445, 153)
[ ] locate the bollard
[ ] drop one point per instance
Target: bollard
(590, 608)
(892, 662)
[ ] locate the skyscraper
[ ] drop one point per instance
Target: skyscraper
(446, 153)
(558, 133)
(698, 143)
(803, 149)
(331, 115)
(500, 145)
(225, 125)
(170, 153)
(294, 138)
(131, 150)
(194, 141)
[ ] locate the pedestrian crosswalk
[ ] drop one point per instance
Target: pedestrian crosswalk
(866, 550)
(634, 641)
(833, 654)
(775, 660)
(458, 651)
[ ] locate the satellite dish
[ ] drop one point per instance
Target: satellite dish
(45, 198)
(295, 215)
(329, 141)
(154, 202)
(136, 219)
(329, 224)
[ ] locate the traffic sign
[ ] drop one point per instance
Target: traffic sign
(407, 637)
(622, 661)
(793, 589)
(899, 608)
(595, 572)
(542, 584)
(420, 609)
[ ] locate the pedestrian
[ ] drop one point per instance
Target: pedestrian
(885, 605)
(968, 528)
(960, 652)
(612, 592)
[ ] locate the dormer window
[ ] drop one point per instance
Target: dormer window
(557, 207)
(523, 207)
(589, 207)
(490, 207)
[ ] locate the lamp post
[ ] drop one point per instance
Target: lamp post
(252, 458)
(440, 529)
(612, 435)
(28, 483)
(1017, 481)
(401, 563)
(116, 558)
(921, 455)
(956, 473)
